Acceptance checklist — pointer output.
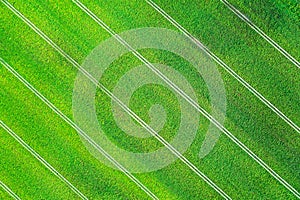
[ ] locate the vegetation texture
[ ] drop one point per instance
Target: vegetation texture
(233, 41)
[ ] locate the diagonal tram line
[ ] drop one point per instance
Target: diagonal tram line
(225, 66)
(9, 191)
(188, 99)
(261, 33)
(77, 128)
(42, 160)
(113, 97)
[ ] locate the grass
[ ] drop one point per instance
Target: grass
(246, 117)
(279, 19)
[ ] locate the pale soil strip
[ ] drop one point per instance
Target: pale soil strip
(121, 104)
(187, 98)
(261, 33)
(9, 191)
(73, 125)
(41, 159)
(225, 66)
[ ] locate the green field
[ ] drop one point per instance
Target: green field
(227, 165)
